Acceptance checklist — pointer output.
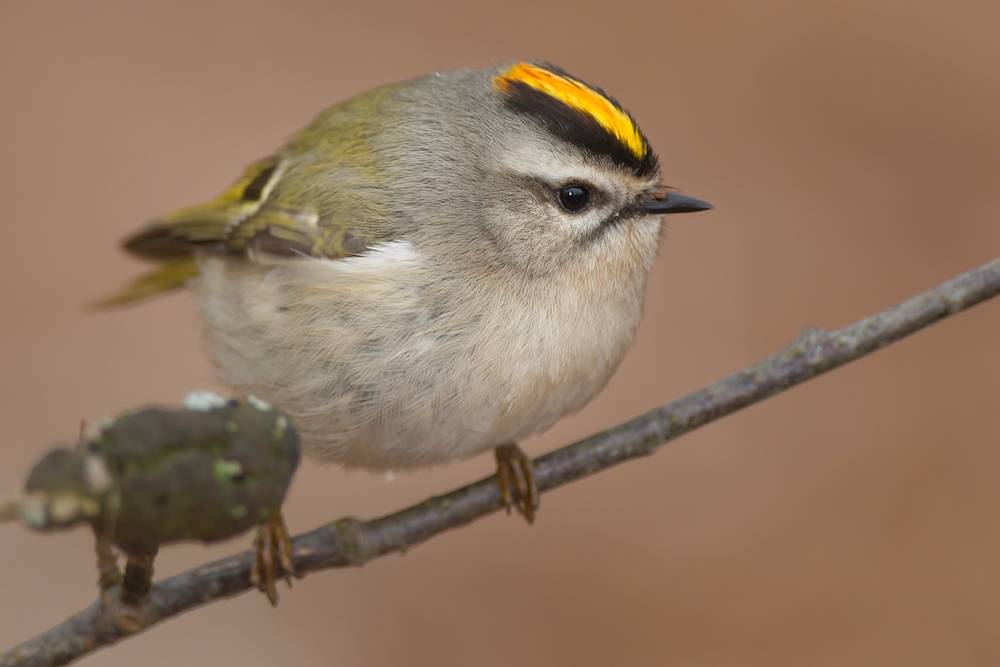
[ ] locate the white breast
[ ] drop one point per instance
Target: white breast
(385, 363)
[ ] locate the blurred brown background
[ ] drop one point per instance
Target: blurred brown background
(853, 154)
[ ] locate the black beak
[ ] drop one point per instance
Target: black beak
(674, 203)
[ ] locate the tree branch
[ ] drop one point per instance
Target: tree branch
(351, 542)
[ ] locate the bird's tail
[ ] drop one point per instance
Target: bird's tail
(166, 277)
(173, 240)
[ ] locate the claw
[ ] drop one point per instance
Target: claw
(516, 479)
(272, 548)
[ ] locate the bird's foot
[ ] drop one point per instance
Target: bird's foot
(516, 478)
(272, 550)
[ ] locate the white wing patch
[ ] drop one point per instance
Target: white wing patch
(379, 257)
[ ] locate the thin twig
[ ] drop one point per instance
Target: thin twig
(353, 542)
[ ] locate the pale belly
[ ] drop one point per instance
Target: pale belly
(382, 372)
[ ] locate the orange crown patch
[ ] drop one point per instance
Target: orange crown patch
(580, 97)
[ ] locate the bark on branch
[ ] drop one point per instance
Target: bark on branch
(349, 541)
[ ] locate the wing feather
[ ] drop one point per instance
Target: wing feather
(241, 221)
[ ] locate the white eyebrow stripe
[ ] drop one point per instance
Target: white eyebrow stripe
(532, 160)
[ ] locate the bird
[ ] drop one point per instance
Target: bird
(429, 270)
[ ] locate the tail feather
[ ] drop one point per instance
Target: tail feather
(205, 228)
(164, 278)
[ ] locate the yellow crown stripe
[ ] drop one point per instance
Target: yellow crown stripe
(580, 97)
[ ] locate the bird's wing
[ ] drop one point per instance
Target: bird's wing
(243, 220)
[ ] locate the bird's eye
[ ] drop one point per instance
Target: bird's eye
(574, 198)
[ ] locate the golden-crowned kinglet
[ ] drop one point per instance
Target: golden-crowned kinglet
(431, 269)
